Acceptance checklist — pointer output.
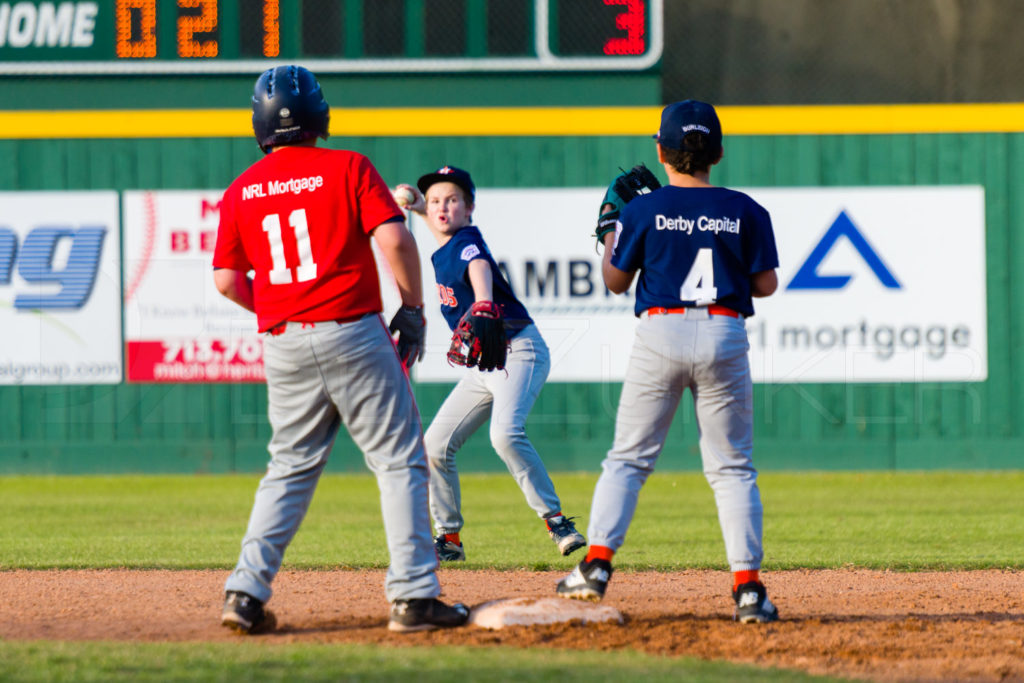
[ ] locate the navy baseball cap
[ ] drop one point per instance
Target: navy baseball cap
(681, 118)
(448, 174)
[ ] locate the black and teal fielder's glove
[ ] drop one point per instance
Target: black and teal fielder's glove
(626, 187)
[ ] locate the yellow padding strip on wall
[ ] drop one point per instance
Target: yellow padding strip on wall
(521, 121)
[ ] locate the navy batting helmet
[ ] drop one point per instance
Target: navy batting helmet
(288, 107)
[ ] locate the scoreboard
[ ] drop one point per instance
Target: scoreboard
(328, 36)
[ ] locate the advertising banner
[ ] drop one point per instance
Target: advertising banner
(876, 284)
(60, 282)
(178, 327)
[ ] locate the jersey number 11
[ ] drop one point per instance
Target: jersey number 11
(281, 274)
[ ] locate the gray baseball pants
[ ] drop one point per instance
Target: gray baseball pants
(318, 378)
(708, 355)
(507, 401)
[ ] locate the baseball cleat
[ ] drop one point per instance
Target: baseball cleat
(425, 614)
(244, 614)
(448, 551)
(563, 533)
(753, 605)
(587, 581)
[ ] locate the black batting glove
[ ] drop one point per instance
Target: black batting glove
(411, 326)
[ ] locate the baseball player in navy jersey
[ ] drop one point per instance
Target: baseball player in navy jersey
(467, 277)
(701, 252)
(301, 219)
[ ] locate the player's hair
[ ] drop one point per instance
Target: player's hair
(467, 198)
(696, 155)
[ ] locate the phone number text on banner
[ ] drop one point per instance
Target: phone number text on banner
(196, 360)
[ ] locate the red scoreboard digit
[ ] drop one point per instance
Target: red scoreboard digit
(633, 22)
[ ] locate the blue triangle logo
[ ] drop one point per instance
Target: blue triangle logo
(809, 278)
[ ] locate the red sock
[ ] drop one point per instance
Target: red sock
(746, 576)
(600, 552)
(453, 538)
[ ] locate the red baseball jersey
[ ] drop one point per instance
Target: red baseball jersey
(300, 217)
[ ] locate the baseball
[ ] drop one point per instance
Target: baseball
(404, 196)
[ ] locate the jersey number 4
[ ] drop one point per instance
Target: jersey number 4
(281, 274)
(699, 285)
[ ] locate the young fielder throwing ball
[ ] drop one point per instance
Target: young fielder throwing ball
(702, 252)
(492, 331)
(301, 219)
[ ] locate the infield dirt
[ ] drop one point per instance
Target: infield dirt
(886, 626)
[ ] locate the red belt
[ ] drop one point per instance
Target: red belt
(280, 328)
(713, 309)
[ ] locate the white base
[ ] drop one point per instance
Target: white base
(498, 614)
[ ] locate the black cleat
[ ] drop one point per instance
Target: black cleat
(448, 551)
(563, 533)
(588, 581)
(245, 614)
(753, 605)
(425, 614)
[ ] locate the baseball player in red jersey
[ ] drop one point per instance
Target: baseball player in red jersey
(300, 219)
(702, 252)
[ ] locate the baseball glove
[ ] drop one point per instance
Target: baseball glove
(626, 187)
(479, 339)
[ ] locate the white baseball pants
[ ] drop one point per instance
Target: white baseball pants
(318, 378)
(507, 401)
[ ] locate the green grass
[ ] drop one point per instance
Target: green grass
(249, 661)
(903, 521)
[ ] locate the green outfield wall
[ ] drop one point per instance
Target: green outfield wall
(110, 130)
(221, 428)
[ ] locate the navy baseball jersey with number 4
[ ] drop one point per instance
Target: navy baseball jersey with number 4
(453, 287)
(719, 236)
(701, 252)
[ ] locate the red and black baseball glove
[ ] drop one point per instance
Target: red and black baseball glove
(479, 339)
